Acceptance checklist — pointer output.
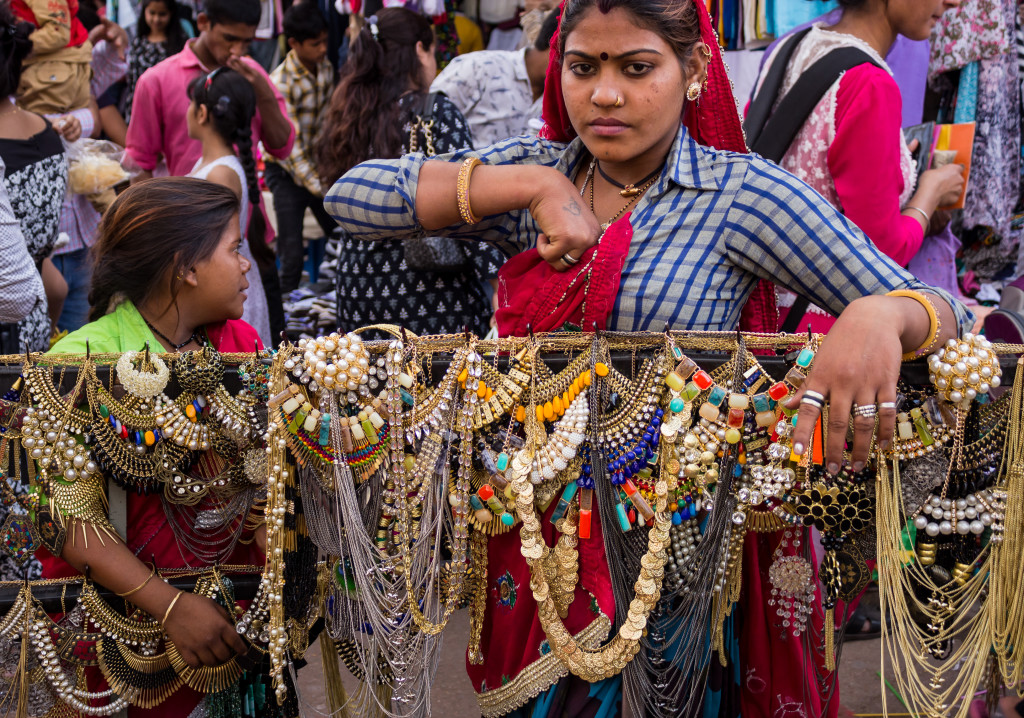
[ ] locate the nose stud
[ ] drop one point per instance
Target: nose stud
(618, 101)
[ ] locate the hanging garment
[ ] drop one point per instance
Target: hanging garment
(977, 30)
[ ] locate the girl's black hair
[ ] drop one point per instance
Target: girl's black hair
(14, 48)
(152, 233)
(176, 37)
(362, 119)
(231, 103)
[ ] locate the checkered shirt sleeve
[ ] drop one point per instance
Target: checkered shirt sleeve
(705, 233)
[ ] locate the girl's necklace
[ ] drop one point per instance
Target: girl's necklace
(629, 190)
(177, 347)
(634, 192)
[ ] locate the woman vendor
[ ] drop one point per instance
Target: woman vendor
(627, 219)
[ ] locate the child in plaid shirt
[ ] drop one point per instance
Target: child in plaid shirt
(305, 79)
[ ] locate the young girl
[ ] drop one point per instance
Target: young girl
(220, 117)
(158, 35)
(168, 274)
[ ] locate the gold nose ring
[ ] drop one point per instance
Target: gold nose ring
(618, 101)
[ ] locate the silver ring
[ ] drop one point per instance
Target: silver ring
(887, 405)
(569, 260)
(868, 411)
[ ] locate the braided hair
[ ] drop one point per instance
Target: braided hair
(230, 102)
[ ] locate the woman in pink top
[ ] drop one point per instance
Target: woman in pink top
(851, 148)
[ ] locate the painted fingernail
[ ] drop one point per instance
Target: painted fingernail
(858, 466)
(833, 468)
(798, 449)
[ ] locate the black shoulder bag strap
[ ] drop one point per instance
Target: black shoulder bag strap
(770, 134)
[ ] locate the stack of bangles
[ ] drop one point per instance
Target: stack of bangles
(466, 209)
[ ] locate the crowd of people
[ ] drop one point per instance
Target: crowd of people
(590, 169)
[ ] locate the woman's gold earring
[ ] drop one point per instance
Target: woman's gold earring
(618, 101)
(693, 91)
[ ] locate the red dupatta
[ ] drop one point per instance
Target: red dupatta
(537, 297)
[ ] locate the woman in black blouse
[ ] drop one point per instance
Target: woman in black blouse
(427, 286)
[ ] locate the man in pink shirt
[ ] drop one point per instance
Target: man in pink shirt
(158, 128)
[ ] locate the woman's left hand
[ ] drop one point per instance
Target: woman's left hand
(858, 363)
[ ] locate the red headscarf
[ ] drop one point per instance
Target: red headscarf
(714, 121)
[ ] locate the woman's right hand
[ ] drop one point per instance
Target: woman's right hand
(203, 632)
(945, 184)
(567, 225)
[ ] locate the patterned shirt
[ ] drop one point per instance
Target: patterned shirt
(492, 90)
(306, 98)
(712, 225)
(21, 289)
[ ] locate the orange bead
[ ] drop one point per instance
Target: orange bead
(463, 376)
(481, 390)
(556, 406)
(540, 413)
(566, 400)
(549, 411)
(490, 393)
(586, 378)
(601, 368)
(520, 414)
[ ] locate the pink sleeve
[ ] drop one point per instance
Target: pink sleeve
(145, 139)
(864, 159)
(278, 152)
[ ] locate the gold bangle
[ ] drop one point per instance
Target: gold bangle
(167, 613)
(141, 585)
(927, 217)
(934, 326)
(462, 190)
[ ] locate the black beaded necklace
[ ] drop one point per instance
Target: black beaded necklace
(629, 190)
(195, 337)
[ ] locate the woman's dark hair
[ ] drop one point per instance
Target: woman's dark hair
(851, 4)
(230, 12)
(176, 37)
(363, 116)
(231, 103)
(14, 48)
(675, 21)
(153, 232)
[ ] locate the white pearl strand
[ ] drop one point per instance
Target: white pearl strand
(46, 443)
(74, 697)
(137, 382)
(563, 442)
(969, 515)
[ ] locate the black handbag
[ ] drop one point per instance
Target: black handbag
(770, 134)
(431, 254)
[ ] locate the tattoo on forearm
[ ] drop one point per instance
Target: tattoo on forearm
(573, 208)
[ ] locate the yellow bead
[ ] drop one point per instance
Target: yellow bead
(733, 436)
(481, 391)
(556, 406)
(463, 376)
(674, 381)
(549, 411)
(601, 368)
